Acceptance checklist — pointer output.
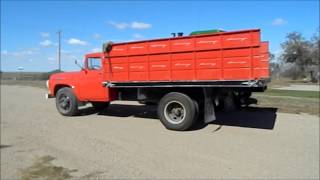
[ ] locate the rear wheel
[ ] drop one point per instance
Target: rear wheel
(99, 106)
(177, 111)
(229, 104)
(66, 102)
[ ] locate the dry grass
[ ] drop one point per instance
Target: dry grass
(293, 93)
(39, 83)
(289, 104)
(280, 82)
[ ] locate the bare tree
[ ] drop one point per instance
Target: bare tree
(301, 54)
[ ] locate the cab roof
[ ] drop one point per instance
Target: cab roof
(96, 54)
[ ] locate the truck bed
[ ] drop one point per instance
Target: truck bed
(229, 57)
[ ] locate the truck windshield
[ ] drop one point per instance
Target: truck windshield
(94, 63)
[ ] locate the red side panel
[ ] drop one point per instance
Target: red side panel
(119, 50)
(182, 66)
(241, 40)
(208, 65)
(261, 61)
(138, 68)
(137, 48)
(159, 67)
(264, 61)
(159, 47)
(237, 64)
(235, 55)
(119, 69)
(182, 45)
(206, 43)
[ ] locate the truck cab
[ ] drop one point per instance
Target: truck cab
(84, 85)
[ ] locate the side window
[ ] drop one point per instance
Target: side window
(94, 63)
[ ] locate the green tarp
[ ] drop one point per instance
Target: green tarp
(206, 32)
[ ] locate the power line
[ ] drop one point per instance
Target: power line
(59, 49)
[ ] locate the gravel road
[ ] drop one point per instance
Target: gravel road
(127, 141)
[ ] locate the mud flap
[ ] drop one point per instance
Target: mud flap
(209, 114)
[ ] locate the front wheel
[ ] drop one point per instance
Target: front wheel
(66, 102)
(177, 111)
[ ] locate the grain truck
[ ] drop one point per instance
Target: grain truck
(184, 76)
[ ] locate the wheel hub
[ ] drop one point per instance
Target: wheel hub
(64, 102)
(175, 112)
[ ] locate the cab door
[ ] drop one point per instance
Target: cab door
(90, 82)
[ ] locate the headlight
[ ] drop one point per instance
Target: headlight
(47, 84)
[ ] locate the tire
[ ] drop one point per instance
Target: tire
(99, 106)
(229, 104)
(177, 111)
(66, 102)
(243, 99)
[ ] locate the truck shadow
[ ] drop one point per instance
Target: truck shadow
(249, 117)
(123, 110)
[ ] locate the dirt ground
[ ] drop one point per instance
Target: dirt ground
(127, 141)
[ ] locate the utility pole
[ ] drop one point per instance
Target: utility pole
(59, 49)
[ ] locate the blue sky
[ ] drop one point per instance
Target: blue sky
(29, 39)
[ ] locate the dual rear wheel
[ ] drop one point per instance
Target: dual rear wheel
(177, 111)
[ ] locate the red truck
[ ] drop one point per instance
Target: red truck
(184, 76)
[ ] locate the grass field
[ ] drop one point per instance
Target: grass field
(290, 101)
(293, 93)
(289, 104)
(39, 83)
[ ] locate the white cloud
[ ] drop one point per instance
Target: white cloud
(45, 34)
(30, 51)
(133, 25)
(4, 52)
(137, 36)
(73, 57)
(279, 22)
(74, 41)
(96, 50)
(46, 43)
(97, 36)
(63, 51)
(120, 26)
(50, 58)
(140, 25)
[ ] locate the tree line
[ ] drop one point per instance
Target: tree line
(299, 58)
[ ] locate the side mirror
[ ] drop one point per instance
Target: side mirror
(79, 65)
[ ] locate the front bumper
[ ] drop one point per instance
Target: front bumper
(47, 95)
